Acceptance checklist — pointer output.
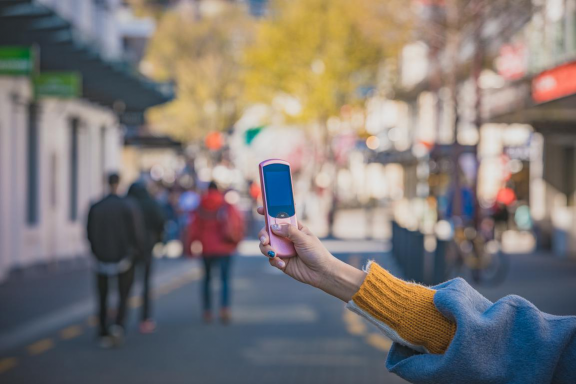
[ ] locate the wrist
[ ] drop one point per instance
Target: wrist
(342, 280)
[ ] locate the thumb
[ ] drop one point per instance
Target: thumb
(288, 231)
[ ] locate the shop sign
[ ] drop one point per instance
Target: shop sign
(16, 61)
(505, 100)
(518, 153)
(555, 83)
(511, 62)
(65, 85)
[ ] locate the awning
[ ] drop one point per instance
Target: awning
(152, 142)
(110, 83)
(393, 157)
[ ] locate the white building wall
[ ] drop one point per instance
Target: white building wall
(13, 95)
(55, 237)
(98, 23)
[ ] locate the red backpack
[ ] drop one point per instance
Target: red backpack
(232, 224)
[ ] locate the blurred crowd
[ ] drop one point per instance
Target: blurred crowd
(126, 233)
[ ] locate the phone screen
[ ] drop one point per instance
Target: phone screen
(278, 185)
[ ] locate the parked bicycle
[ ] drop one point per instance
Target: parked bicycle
(471, 255)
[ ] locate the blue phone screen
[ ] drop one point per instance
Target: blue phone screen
(279, 188)
(278, 184)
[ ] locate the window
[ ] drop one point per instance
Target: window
(32, 171)
(74, 132)
(54, 181)
(103, 156)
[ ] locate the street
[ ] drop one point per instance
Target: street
(282, 331)
(437, 139)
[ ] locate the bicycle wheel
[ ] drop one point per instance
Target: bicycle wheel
(454, 261)
(494, 268)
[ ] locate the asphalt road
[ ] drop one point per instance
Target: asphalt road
(282, 332)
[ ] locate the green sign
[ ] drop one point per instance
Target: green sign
(16, 61)
(251, 134)
(64, 85)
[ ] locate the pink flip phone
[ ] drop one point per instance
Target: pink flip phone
(278, 199)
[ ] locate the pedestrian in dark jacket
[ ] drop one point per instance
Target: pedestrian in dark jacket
(219, 227)
(114, 234)
(153, 217)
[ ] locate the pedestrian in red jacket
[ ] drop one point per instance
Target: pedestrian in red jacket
(219, 227)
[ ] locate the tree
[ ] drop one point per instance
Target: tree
(202, 56)
(324, 53)
(450, 25)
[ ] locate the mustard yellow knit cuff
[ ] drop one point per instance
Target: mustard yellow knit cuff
(407, 308)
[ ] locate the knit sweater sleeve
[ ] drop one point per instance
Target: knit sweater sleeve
(469, 339)
(404, 311)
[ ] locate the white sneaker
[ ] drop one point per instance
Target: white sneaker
(117, 334)
(105, 342)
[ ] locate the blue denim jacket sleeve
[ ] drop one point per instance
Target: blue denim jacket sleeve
(509, 341)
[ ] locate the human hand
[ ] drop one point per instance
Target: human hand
(313, 261)
(313, 264)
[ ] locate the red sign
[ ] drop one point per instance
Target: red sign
(555, 83)
(511, 63)
(214, 141)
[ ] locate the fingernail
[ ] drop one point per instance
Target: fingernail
(281, 264)
(275, 226)
(271, 253)
(262, 239)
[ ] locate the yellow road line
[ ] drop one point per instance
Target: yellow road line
(378, 341)
(92, 321)
(135, 301)
(7, 364)
(177, 282)
(354, 324)
(163, 290)
(71, 332)
(40, 346)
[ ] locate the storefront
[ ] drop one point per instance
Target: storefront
(62, 106)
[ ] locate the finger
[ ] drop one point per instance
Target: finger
(260, 210)
(267, 250)
(263, 236)
(305, 229)
(278, 263)
(288, 231)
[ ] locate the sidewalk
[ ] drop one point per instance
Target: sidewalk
(37, 303)
(547, 281)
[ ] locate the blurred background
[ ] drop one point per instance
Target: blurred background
(437, 137)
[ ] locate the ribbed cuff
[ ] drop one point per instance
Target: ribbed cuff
(407, 308)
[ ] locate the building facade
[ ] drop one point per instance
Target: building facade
(513, 124)
(59, 140)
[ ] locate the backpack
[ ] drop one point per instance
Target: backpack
(232, 224)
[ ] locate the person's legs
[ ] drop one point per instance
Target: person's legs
(225, 262)
(102, 285)
(206, 289)
(225, 277)
(147, 325)
(146, 304)
(125, 280)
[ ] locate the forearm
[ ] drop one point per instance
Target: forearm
(342, 280)
(405, 309)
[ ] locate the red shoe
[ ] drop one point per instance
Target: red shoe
(225, 316)
(207, 317)
(147, 326)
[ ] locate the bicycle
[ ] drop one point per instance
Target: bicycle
(474, 257)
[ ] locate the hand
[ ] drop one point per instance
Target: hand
(314, 264)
